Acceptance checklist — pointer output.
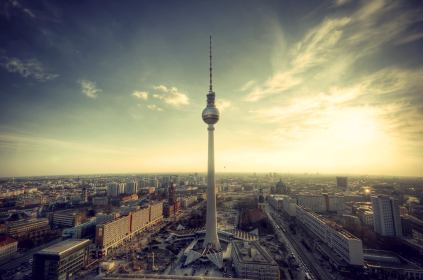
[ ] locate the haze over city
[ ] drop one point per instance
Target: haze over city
(118, 87)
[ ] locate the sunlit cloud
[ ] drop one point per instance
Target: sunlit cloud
(171, 96)
(89, 88)
(143, 95)
(31, 68)
(154, 107)
(223, 104)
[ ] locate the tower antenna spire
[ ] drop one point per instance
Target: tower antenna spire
(210, 69)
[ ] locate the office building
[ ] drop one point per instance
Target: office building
(252, 261)
(386, 215)
(8, 248)
(62, 260)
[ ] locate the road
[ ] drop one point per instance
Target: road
(289, 246)
(308, 260)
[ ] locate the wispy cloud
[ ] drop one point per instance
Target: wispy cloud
(143, 95)
(31, 68)
(334, 45)
(154, 107)
(16, 5)
(223, 104)
(89, 88)
(171, 96)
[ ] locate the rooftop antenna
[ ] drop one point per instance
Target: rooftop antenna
(210, 69)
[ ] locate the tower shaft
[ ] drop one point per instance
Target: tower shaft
(211, 239)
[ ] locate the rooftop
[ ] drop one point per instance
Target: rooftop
(66, 246)
(252, 252)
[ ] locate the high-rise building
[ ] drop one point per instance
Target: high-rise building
(342, 183)
(131, 187)
(386, 216)
(172, 194)
(211, 117)
(113, 189)
(62, 260)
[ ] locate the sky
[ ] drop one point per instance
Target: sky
(302, 86)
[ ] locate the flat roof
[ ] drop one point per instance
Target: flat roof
(64, 247)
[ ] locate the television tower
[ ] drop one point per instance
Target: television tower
(211, 117)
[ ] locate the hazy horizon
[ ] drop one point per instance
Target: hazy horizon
(330, 87)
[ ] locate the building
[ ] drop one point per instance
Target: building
(66, 218)
(342, 183)
(281, 188)
(85, 230)
(131, 187)
(210, 116)
(8, 247)
(252, 261)
(172, 194)
(113, 233)
(113, 190)
(31, 228)
(188, 201)
(314, 202)
(100, 201)
(386, 215)
(62, 260)
(346, 246)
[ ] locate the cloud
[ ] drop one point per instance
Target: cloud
(143, 95)
(89, 88)
(15, 5)
(31, 68)
(154, 107)
(171, 96)
(340, 3)
(223, 104)
(330, 50)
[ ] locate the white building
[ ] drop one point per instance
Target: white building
(346, 246)
(386, 216)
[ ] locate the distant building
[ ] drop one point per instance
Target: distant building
(100, 201)
(314, 202)
(84, 195)
(62, 260)
(281, 188)
(66, 218)
(8, 247)
(131, 188)
(113, 190)
(386, 215)
(252, 261)
(172, 194)
(31, 228)
(342, 183)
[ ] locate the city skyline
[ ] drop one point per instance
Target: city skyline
(327, 87)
